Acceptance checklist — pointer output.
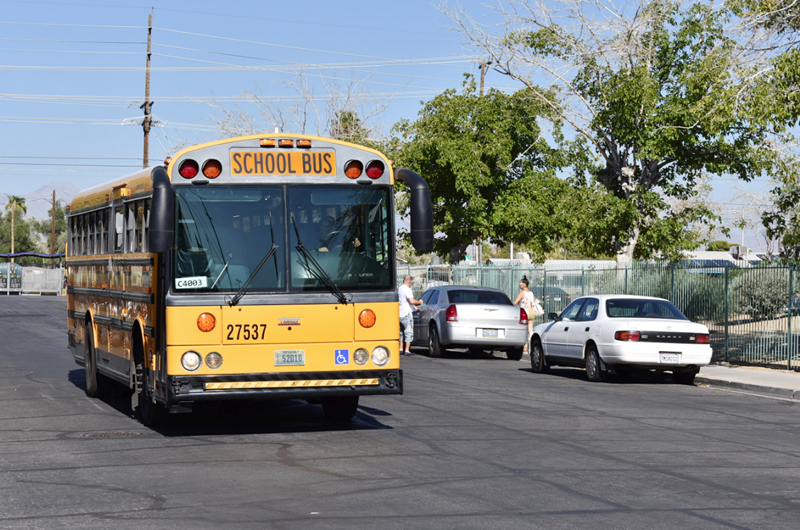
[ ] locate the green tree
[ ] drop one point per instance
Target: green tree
(44, 227)
(491, 172)
(15, 235)
(653, 91)
(719, 246)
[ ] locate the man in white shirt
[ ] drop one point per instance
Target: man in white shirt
(407, 301)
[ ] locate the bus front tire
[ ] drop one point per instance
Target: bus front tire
(150, 413)
(97, 385)
(341, 408)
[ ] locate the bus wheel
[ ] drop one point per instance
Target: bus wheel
(340, 408)
(97, 385)
(151, 414)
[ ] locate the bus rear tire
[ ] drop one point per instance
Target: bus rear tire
(97, 385)
(341, 408)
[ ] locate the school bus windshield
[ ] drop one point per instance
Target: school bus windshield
(224, 232)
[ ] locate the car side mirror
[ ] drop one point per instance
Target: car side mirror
(552, 316)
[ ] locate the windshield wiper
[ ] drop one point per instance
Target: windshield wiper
(317, 271)
(235, 300)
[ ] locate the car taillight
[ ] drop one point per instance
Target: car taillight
(452, 314)
(523, 317)
(703, 338)
(627, 335)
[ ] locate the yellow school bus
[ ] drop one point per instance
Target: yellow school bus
(258, 267)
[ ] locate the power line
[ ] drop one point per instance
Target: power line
(37, 157)
(284, 46)
(71, 25)
(67, 51)
(73, 41)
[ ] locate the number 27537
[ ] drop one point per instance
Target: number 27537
(246, 331)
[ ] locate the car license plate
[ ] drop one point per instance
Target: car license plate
(557, 298)
(489, 333)
(290, 358)
(670, 358)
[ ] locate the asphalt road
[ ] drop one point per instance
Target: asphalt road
(475, 443)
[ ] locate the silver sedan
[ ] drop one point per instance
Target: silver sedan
(478, 318)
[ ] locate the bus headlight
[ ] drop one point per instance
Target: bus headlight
(361, 356)
(380, 356)
(213, 360)
(191, 361)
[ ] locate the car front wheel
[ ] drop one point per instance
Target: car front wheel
(537, 358)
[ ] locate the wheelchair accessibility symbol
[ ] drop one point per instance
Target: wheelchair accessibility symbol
(342, 357)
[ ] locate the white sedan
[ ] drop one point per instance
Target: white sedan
(622, 333)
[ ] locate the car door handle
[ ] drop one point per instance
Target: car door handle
(566, 328)
(587, 328)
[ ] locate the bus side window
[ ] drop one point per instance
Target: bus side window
(130, 227)
(71, 237)
(119, 225)
(146, 226)
(91, 233)
(102, 227)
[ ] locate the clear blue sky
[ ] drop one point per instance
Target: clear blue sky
(73, 73)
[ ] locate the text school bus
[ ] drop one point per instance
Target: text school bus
(260, 267)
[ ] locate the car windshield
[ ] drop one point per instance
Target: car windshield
(474, 296)
(224, 232)
(642, 308)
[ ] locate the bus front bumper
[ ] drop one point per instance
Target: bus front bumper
(185, 389)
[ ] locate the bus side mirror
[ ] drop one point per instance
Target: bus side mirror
(162, 213)
(421, 209)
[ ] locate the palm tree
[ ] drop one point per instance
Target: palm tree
(14, 202)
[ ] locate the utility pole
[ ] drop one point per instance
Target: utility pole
(53, 236)
(147, 103)
(484, 67)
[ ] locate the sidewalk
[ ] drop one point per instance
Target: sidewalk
(754, 379)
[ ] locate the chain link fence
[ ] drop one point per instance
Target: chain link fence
(753, 313)
(26, 278)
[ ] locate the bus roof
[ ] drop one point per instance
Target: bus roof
(141, 181)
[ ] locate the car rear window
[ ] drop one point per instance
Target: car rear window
(477, 297)
(642, 308)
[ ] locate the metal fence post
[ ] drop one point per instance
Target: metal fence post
(726, 313)
(672, 282)
(789, 320)
(583, 280)
(626, 278)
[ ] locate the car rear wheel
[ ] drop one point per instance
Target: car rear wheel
(538, 363)
(435, 348)
(514, 354)
(684, 378)
(593, 368)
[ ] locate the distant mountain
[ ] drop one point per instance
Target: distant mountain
(39, 202)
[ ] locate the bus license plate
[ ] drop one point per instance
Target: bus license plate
(290, 358)
(670, 358)
(489, 333)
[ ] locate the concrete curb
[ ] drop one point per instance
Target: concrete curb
(785, 393)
